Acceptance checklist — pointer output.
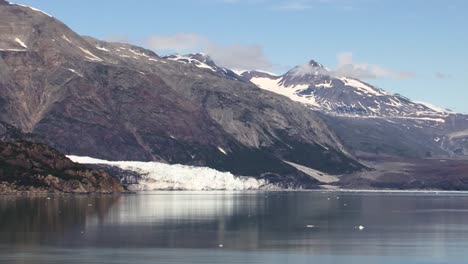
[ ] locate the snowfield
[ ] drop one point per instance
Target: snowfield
(160, 176)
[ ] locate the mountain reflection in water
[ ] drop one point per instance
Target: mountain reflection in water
(222, 226)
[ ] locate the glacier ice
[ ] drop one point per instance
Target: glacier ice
(160, 176)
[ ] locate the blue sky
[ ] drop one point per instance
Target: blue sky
(417, 48)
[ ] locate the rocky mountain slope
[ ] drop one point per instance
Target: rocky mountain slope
(35, 167)
(116, 101)
(368, 119)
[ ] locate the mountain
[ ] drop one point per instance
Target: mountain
(368, 119)
(116, 101)
(204, 61)
(320, 88)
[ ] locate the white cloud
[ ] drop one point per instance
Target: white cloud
(180, 42)
(363, 70)
(293, 5)
(239, 56)
(298, 5)
(441, 75)
(234, 56)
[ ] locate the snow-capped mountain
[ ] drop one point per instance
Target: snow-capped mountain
(321, 89)
(204, 61)
(368, 119)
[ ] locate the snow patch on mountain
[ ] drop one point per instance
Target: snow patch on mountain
(75, 72)
(102, 48)
(434, 108)
(160, 176)
(91, 55)
(360, 86)
(189, 60)
(138, 53)
(291, 92)
(19, 41)
(66, 39)
(32, 8)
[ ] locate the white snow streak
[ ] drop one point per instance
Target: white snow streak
(91, 55)
(434, 108)
(75, 72)
(185, 59)
(65, 38)
(102, 48)
(19, 41)
(222, 150)
(290, 92)
(359, 85)
(32, 8)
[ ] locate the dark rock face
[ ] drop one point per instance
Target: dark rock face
(33, 167)
(115, 101)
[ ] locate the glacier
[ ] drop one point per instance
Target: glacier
(161, 176)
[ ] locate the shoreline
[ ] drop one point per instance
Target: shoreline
(357, 191)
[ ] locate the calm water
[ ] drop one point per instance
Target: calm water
(252, 227)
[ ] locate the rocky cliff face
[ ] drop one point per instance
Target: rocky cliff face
(33, 167)
(120, 102)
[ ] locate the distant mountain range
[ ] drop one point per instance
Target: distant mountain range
(366, 118)
(116, 101)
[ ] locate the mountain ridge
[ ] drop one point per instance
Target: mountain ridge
(116, 101)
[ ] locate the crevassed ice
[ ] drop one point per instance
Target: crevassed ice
(160, 176)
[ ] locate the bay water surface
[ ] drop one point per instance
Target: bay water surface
(236, 227)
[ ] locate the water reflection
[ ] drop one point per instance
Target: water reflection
(306, 224)
(43, 219)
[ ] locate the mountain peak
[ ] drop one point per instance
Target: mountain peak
(312, 68)
(315, 64)
(202, 57)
